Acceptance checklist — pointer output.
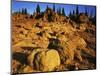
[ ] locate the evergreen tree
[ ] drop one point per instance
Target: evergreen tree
(73, 12)
(59, 11)
(63, 12)
(86, 13)
(38, 9)
(25, 11)
(70, 14)
(47, 7)
(94, 20)
(77, 10)
(54, 7)
(91, 14)
(22, 11)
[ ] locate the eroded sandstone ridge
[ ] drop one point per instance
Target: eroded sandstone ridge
(48, 41)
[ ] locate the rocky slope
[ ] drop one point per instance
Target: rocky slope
(51, 42)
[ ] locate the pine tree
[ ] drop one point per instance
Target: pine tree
(47, 7)
(38, 9)
(77, 10)
(54, 7)
(70, 14)
(91, 14)
(73, 12)
(63, 12)
(59, 11)
(25, 11)
(86, 13)
(22, 11)
(94, 20)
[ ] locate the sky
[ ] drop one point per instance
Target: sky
(31, 7)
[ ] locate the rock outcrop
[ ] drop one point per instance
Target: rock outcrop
(44, 60)
(52, 42)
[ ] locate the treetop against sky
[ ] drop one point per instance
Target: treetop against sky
(31, 7)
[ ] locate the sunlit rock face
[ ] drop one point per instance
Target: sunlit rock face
(52, 42)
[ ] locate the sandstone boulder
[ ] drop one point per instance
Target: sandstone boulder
(31, 57)
(26, 69)
(45, 60)
(76, 42)
(68, 49)
(52, 60)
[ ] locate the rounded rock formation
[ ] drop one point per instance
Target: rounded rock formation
(47, 60)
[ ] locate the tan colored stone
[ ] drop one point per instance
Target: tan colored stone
(52, 60)
(27, 69)
(32, 55)
(47, 60)
(24, 43)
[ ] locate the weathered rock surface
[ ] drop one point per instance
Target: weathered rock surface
(44, 60)
(55, 43)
